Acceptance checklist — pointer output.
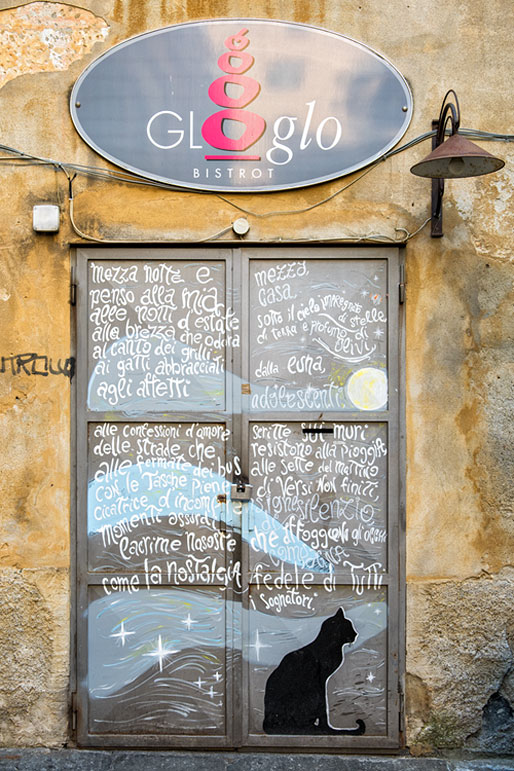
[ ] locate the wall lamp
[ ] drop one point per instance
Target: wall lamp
(456, 157)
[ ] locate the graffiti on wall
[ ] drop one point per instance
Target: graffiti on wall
(37, 364)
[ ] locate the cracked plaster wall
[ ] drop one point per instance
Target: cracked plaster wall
(463, 636)
(459, 348)
(46, 37)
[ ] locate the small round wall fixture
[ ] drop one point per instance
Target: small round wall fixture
(454, 158)
(241, 226)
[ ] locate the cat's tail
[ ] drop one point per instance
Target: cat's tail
(361, 728)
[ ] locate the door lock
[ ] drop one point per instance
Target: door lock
(240, 490)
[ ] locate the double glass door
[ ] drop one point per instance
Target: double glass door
(238, 497)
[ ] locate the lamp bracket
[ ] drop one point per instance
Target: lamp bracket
(449, 112)
(436, 223)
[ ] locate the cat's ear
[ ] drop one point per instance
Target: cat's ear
(340, 613)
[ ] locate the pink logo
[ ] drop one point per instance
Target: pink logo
(234, 63)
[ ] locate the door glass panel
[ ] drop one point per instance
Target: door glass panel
(157, 661)
(317, 661)
(318, 335)
(156, 498)
(320, 500)
(156, 334)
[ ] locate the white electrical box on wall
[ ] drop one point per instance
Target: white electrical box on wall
(45, 218)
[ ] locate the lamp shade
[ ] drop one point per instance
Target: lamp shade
(457, 157)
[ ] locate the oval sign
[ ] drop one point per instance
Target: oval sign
(240, 105)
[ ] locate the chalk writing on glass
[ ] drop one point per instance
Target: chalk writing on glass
(327, 490)
(318, 335)
(158, 335)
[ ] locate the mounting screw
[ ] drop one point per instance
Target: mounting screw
(405, 108)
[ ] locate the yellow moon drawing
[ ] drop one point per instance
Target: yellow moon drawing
(367, 388)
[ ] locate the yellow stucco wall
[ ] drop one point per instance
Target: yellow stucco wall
(459, 325)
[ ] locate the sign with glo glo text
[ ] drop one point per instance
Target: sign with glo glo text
(240, 105)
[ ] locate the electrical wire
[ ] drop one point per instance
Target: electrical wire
(298, 211)
(85, 236)
(133, 179)
(21, 158)
(93, 171)
(366, 238)
(487, 135)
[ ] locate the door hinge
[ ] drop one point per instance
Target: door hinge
(400, 707)
(73, 288)
(74, 710)
(401, 285)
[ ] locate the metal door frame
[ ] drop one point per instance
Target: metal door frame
(231, 253)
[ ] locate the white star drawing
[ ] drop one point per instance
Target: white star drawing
(188, 622)
(211, 692)
(258, 645)
(364, 292)
(199, 682)
(378, 611)
(122, 633)
(370, 677)
(160, 653)
(379, 333)
(217, 676)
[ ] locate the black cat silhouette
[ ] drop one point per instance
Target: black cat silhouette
(295, 700)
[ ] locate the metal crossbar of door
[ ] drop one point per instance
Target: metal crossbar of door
(239, 489)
